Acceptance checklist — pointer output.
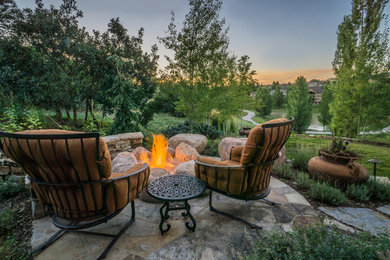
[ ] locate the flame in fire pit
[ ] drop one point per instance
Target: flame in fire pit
(160, 158)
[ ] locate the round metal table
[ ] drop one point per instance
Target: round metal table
(175, 191)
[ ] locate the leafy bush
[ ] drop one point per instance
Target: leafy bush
(9, 189)
(204, 129)
(320, 242)
(358, 192)
(326, 193)
(6, 220)
(300, 156)
(304, 181)
(379, 190)
(212, 148)
(284, 171)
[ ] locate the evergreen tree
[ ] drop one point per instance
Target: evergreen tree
(263, 101)
(325, 117)
(299, 105)
(278, 97)
(361, 65)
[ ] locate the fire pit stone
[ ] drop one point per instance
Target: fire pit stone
(197, 141)
(186, 168)
(123, 161)
(185, 152)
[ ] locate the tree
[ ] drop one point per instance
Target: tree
(201, 60)
(325, 117)
(361, 66)
(278, 97)
(299, 105)
(263, 101)
(130, 82)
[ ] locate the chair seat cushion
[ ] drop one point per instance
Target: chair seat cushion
(121, 192)
(227, 179)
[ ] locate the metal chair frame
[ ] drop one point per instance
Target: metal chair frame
(55, 188)
(247, 168)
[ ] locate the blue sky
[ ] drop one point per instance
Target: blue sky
(283, 38)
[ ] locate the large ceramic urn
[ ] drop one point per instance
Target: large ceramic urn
(330, 167)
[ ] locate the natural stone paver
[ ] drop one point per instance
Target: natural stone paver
(384, 209)
(216, 236)
(360, 218)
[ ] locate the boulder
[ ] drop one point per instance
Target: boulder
(123, 161)
(226, 145)
(185, 152)
(138, 151)
(197, 141)
(154, 174)
(282, 157)
(186, 168)
(171, 151)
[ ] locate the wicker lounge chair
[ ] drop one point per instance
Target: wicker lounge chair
(71, 174)
(246, 176)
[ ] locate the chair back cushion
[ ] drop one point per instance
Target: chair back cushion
(263, 145)
(63, 161)
(59, 160)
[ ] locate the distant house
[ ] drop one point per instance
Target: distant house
(316, 88)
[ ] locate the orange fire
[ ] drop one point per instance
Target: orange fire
(160, 157)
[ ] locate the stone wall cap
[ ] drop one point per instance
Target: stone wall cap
(134, 135)
(111, 138)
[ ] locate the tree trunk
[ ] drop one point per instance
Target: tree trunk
(86, 109)
(67, 114)
(93, 115)
(58, 113)
(74, 115)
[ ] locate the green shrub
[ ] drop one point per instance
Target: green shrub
(304, 181)
(212, 148)
(9, 189)
(208, 130)
(379, 190)
(358, 192)
(320, 242)
(300, 156)
(284, 171)
(6, 220)
(10, 249)
(326, 193)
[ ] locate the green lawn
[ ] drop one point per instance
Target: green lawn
(367, 151)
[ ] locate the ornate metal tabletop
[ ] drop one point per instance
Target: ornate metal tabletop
(175, 191)
(176, 187)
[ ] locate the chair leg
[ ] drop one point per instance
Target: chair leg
(273, 203)
(48, 242)
(229, 215)
(115, 237)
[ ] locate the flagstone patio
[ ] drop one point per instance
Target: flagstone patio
(216, 236)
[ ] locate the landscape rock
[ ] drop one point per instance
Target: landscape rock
(360, 218)
(154, 174)
(226, 145)
(123, 161)
(186, 168)
(185, 152)
(139, 150)
(282, 157)
(197, 141)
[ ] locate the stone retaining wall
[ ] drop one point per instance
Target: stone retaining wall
(123, 142)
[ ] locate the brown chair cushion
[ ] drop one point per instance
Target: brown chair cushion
(121, 192)
(258, 150)
(236, 152)
(52, 161)
(217, 178)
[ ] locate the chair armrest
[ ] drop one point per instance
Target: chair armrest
(235, 153)
(225, 176)
(128, 173)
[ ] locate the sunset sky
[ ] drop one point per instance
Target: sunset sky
(283, 38)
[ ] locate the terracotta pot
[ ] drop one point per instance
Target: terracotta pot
(343, 169)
